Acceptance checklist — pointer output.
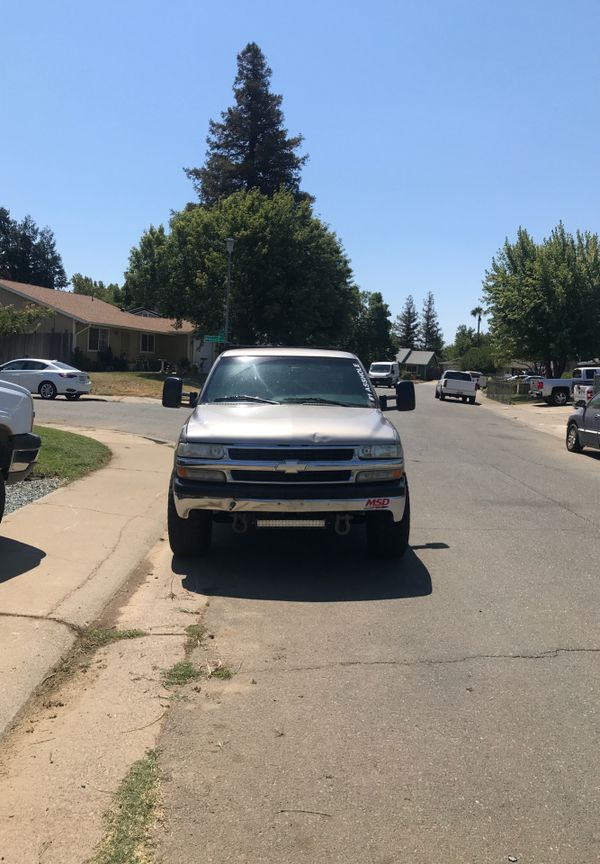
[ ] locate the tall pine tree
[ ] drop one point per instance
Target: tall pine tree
(430, 333)
(28, 253)
(249, 148)
(406, 325)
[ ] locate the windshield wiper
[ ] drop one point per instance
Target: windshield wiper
(244, 398)
(316, 400)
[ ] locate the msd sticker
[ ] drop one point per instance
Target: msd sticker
(376, 503)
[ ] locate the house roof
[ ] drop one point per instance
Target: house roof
(420, 358)
(415, 358)
(90, 310)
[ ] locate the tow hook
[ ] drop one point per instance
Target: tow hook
(342, 524)
(240, 524)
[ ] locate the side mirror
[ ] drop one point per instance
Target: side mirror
(193, 399)
(172, 389)
(405, 396)
(383, 403)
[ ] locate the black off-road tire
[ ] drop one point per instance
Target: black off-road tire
(188, 537)
(387, 539)
(47, 390)
(472, 400)
(573, 443)
(442, 396)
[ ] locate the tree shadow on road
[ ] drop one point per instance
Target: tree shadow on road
(17, 558)
(300, 566)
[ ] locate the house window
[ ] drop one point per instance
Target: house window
(147, 343)
(97, 339)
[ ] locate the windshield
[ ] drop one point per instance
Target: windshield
(380, 367)
(289, 380)
(458, 376)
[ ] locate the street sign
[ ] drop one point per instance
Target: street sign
(220, 337)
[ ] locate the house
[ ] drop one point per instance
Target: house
(420, 364)
(92, 326)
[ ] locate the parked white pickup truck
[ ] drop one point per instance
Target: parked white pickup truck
(19, 447)
(456, 385)
(558, 391)
(289, 438)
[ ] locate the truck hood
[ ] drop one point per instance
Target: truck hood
(16, 408)
(288, 424)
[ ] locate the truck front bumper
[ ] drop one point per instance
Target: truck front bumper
(355, 498)
(25, 449)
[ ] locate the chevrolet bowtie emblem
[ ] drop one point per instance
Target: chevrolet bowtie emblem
(291, 466)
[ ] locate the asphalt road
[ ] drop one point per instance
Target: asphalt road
(444, 709)
(144, 417)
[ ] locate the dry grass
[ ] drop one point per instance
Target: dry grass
(148, 384)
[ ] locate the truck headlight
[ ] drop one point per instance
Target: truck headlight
(195, 450)
(380, 451)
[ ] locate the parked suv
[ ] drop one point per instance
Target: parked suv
(289, 438)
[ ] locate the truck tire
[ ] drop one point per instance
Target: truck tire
(2, 496)
(387, 539)
(560, 396)
(191, 536)
(573, 444)
(472, 400)
(442, 396)
(437, 395)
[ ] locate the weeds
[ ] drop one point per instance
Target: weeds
(180, 674)
(128, 822)
(96, 637)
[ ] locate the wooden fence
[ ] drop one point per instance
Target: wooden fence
(46, 346)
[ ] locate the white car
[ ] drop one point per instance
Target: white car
(49, 378)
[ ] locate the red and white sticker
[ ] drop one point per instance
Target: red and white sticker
(376, 503)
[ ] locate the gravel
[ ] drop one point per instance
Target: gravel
(29, 490)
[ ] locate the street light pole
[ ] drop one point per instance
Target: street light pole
(229, 244)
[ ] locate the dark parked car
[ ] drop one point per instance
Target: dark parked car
(583, 427)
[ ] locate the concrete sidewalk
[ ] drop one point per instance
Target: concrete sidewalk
(63, 557)
(536, 415)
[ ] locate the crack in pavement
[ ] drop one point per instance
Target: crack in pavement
(108, 555)
(549, 498)
(542, 655)
(82, 631)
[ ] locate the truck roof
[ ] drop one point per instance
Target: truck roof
(286, 352)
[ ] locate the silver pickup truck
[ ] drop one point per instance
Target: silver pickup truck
(19, 447)
(289, 438)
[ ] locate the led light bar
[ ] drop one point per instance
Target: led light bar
(290, 523)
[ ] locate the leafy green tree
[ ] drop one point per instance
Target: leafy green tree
(544, 299)
(110, 293)
(24, 320)
(28, 253)
(291, 281)
(478, 358)
(430, 332)
(373, 330)
(406, 325)
(250, 147)
(147, 273)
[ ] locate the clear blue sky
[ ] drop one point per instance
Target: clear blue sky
(434, 129)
